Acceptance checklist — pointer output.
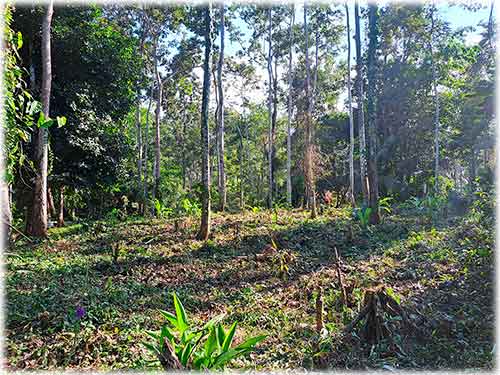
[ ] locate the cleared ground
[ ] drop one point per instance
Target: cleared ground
(121, 273)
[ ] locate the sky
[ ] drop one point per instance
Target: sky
(457, 17)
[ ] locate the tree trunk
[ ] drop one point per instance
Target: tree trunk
(205, 195)
(156, 175)
(145, 154)
(241, 162)
(6, 213)
(290, 108)
(60, 218)
(309, 146)
(50, 204)
(361, 113)
(436, 106)
(39, 212)
(273, 127)
(270, 110)
(315, 78)
(220, 120)
(140, 186)
(351, 120)
(372, 113)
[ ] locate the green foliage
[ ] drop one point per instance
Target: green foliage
(161, 210)
(209, 347)
(363, 214)
(385, 205)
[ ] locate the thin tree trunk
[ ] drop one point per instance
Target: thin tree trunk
(273, 127)
(140, 185)
(290, 108)
(361, 113)
(241, 162)
(29, 208)
(220, 120)
(60, 218)
(50, 204)
(351, 120)
(436, 105)
(205, 195)
(309, 146)
(315, 78)
(372, 113)
(6, 213)
(270, 110)
(156, 184)
(145, 154)
(39, 218)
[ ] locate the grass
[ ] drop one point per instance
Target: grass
(435, 271)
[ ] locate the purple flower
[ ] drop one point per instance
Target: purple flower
(80, 312)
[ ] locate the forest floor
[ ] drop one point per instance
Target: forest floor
(441, 274)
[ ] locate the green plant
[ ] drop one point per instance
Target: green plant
(363, 215)
(282, 260)
(161, 210)
(385, 204)
(208, 347)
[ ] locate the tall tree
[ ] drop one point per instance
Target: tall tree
(372, 111)
(349, 105)
(309, 141)
(220, 118)
(159, 95)
(436, 105)
(290, 109)
(361, 113)
(138, 124)
(270, 107)
(205, 140)
(38, 225)
(145, 153)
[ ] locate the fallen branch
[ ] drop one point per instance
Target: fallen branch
(18, 231)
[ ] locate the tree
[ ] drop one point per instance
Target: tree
(349, 104)
(270, 108)
(38, 222)
(290, 110)
(205, 140)
(159, 95)
(220, 118)
(436, 106)
(361, 114)
(309, 141)
(372, 112)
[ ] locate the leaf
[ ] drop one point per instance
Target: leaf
(186, 353)
(22, 134)
(250, 342)
(213, 321)
(153, 348)
(229, 337)
(153, 335)
(34, 107)
(393, 295)
(181, 314)
(44, 122)
(165, 332)
(211, 344)
(61, 121)
(221, 335)
(19, 40)
(170, 317)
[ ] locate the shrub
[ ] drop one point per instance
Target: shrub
(208, 347)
